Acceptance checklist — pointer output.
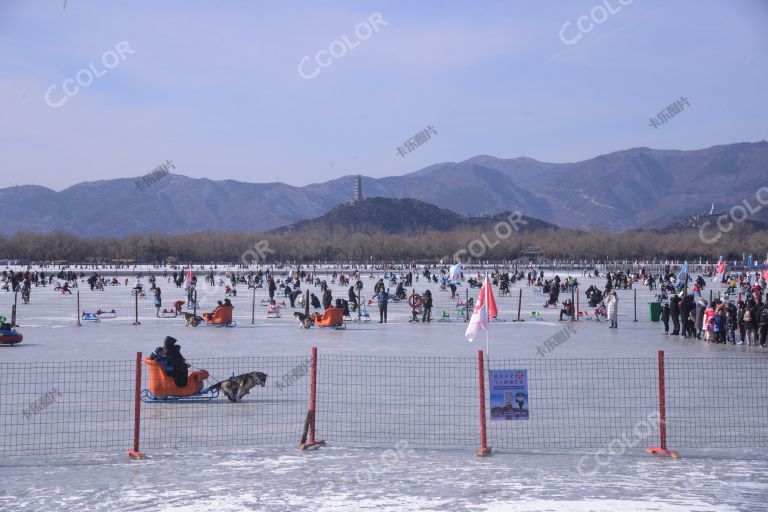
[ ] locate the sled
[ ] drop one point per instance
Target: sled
(332, 318)
(535, 315)
(89, 317)
(228, 324)
(168, 314)
(364, 315)
(203, 395)
(10, 337)
(103, 313)
(162, 387)
(273, 311)
(221, 318)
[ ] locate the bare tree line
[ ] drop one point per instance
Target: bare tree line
(432, 246)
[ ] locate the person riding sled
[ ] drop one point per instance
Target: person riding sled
(176, 361)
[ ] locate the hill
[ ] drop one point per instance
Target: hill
(400, 216)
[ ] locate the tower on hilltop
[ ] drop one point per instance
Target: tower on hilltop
(358, 197)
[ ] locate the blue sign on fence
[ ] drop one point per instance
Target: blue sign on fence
(509, 394)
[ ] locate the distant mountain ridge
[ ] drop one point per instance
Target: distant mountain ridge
(618, 191)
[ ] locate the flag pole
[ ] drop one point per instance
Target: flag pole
(486, 285)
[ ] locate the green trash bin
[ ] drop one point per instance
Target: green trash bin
(654, 311)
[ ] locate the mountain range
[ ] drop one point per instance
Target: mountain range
(628, 189)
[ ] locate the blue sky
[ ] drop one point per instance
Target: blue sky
(215, 86)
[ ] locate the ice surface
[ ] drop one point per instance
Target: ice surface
(391, 478)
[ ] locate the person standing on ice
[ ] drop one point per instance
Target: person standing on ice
(426, 304)
(612, 304)
(383, 300)
(158, 300)
(352, 298)
(665, 317)
(674, 313)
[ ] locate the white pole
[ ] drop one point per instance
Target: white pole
(487, 285)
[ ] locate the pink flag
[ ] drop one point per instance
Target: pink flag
(485, 310)
(720, 270)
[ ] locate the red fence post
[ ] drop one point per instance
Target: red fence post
(135, 453)
(484, 450)
(662, 449)
(309, 422)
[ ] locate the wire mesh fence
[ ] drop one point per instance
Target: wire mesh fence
(715, 403)
(62, 407)
(273, 414)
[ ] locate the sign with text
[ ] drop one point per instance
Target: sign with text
(509, 394)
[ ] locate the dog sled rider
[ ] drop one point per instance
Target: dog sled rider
(160, 358)
(180, 368)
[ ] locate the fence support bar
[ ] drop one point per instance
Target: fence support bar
(136, 454)
(484, 450)
(575, 314)
(519, 303)
(309, 422)
(577, 311)
(662, 449)
(635, 290)
(253, 307)
(136, 308)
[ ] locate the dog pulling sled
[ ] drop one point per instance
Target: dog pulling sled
(163, 389)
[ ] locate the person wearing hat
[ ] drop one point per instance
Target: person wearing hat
(180, 368)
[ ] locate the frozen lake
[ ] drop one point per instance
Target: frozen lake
(396, 472)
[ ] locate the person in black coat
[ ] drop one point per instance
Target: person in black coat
(353, 298)
(665, 317)
(426, 304)
(327, 299)
(176, 361)
(674, 313)
(684, 307)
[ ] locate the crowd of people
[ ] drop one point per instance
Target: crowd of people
(737, 315)
(740, 309)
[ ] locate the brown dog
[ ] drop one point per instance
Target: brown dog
(191, 319)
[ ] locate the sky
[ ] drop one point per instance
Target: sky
(303, 92)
